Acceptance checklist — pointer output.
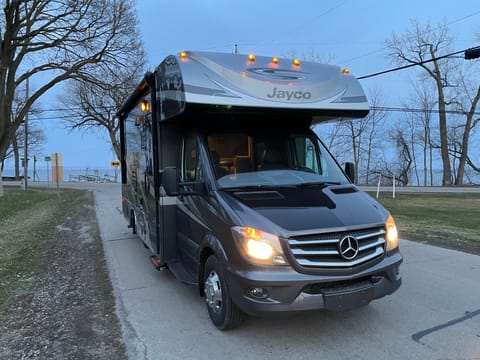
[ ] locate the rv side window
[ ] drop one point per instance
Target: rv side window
(190, 161)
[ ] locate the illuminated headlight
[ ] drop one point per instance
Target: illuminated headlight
(392, 234)
(259, 247)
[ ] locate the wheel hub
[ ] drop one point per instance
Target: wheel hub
(213, 292)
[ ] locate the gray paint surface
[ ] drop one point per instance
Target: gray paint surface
(434, 315)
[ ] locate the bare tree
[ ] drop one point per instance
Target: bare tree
(420, 43)
(52, 41)
(36, 139)
(422, 99)
(312, 55)
(93, 105)
(36, 136)
(399, 168)
(376, 121)
(468, 100)
(361, 137)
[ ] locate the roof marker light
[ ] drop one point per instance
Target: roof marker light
(345, 71)
(252, 57)
(296, 62)
(183, 54)
(275, 60)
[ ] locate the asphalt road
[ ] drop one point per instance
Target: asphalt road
(434, 315)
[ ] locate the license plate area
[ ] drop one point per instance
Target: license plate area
(341, 300)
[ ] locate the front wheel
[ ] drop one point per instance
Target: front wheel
(223, 312)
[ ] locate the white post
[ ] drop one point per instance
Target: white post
(393, 188)
(378, 186)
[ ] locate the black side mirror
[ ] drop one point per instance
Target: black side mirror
(174, 188)
(350, 171)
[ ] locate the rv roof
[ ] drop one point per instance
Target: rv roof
(220, 82)
(260, 81)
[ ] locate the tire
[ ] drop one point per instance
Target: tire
(223, 312)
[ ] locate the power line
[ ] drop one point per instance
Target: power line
(414, 110)
(410, 65)
(463, 18)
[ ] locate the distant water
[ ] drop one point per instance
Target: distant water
(70, 174)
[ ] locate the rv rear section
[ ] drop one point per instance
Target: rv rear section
(230, 189)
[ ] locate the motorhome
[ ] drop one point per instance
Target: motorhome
(227, 185)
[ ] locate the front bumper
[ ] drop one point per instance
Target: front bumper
(282, 289)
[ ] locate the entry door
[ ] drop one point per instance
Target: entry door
(190, 208)
(149, 187)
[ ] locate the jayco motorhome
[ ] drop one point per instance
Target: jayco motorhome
(230, 189)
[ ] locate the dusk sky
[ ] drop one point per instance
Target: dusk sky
(349, 33)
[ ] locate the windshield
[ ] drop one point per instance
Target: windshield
(283, 159)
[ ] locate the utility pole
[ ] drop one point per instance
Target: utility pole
(25, 155)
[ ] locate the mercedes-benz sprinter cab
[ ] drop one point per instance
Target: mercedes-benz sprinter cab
(225, 182)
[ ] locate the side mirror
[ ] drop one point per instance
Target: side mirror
(350, 171)
(169, 180)
(174, 188)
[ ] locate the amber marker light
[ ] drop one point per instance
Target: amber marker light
(252, 58)
(345, 71)
(144, 106)
(296, 62)
(183, 56)
(252, 233)
(275, 60)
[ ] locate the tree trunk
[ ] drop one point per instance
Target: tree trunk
(442, 122)
(16, 156)
(1, 181)
(425, 146)
(431, 163)
(466, 137)
(115, 143)
(463, 155)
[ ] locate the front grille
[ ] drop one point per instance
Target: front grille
(322, 250)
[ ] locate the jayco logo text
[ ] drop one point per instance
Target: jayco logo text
(289, 95)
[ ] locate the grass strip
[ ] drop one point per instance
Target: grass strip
(27, 218)
(445, 219)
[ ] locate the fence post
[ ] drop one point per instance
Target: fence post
(378, 186)
(393, 188)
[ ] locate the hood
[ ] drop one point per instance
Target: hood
(311, 208)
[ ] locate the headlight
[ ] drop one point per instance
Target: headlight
(259, 247)
(392, 234)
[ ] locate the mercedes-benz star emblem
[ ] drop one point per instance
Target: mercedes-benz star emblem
(348, 247)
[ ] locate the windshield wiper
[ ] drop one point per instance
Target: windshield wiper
(317, 183)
